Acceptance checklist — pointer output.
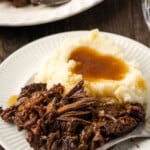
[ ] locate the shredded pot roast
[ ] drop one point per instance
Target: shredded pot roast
(74, 121)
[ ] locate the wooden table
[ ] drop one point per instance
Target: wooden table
(117, 16)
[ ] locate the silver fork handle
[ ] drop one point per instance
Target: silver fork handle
(50, 2)
(137, 133)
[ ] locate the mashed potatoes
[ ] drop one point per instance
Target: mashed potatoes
(101, 63)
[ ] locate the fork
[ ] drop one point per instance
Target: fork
(142, 131)
(146, 11)
(50, 2)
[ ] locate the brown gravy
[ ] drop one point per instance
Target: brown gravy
(96, 66)
(12, 100)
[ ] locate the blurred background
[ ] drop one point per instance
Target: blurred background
(123, 17)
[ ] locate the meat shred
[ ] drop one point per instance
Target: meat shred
(75, 121)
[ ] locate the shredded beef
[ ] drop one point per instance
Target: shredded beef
(73, 121)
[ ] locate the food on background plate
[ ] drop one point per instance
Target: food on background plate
(22, 3)
(19, 3)
(85, 94)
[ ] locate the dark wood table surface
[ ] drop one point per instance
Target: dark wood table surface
(123, 17)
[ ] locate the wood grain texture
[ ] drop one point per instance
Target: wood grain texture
(117, 16)
(123, 17)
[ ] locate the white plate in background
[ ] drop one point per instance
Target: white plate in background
(19, 67)
(32, 15)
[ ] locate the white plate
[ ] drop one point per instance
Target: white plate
(31, 15)
(18, 68)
